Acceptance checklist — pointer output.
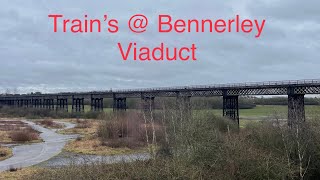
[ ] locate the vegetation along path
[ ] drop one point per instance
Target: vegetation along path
(31, 154)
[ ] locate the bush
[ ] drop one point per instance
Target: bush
(24, 136)
(51, 123)
(82, 124)
(5, 152)
(208, 147)
(122, 130)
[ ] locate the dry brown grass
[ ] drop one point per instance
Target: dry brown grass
(90, 143)
(20, 174)
(49, 123)
(13, 125)
(16, 131)
(9, 125)
(4, 137)
(24, 136)
(83, 124)
(127, 130)
(94, 146)
(5, 153)
(83, 127)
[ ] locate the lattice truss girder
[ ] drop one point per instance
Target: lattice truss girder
(203, 92)
(127, 95)
(308, 90)
(207, 93)
(264, 91)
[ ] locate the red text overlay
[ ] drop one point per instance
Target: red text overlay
(139, 23)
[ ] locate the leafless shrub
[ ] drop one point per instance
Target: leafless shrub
(50, 123)
(13, 169)
(124, 130)
(24, 136)
(82, 124)
(12, 125)
(203, 146)
(4, 151)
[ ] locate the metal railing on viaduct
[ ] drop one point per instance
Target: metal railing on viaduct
(295, 90)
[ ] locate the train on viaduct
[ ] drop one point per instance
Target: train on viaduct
(295, 90)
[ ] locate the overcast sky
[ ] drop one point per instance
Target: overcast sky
(33, 58)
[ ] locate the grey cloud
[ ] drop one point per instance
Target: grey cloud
(33, 58)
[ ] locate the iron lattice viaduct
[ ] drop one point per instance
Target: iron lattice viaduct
(295, 90)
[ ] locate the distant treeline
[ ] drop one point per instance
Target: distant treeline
(245, 102)
(283, 101)
(248, 102)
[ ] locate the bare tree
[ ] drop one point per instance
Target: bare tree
(296, 140)
(147, 112)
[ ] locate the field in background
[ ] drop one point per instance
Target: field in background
(259, 110)
(258, 113)
(269, 110)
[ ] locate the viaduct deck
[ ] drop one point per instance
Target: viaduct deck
(294, 89)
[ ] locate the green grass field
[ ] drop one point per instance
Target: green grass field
(269, 110)
(256, 114)
(258, 111)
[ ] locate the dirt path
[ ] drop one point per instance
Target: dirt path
(28, 155)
